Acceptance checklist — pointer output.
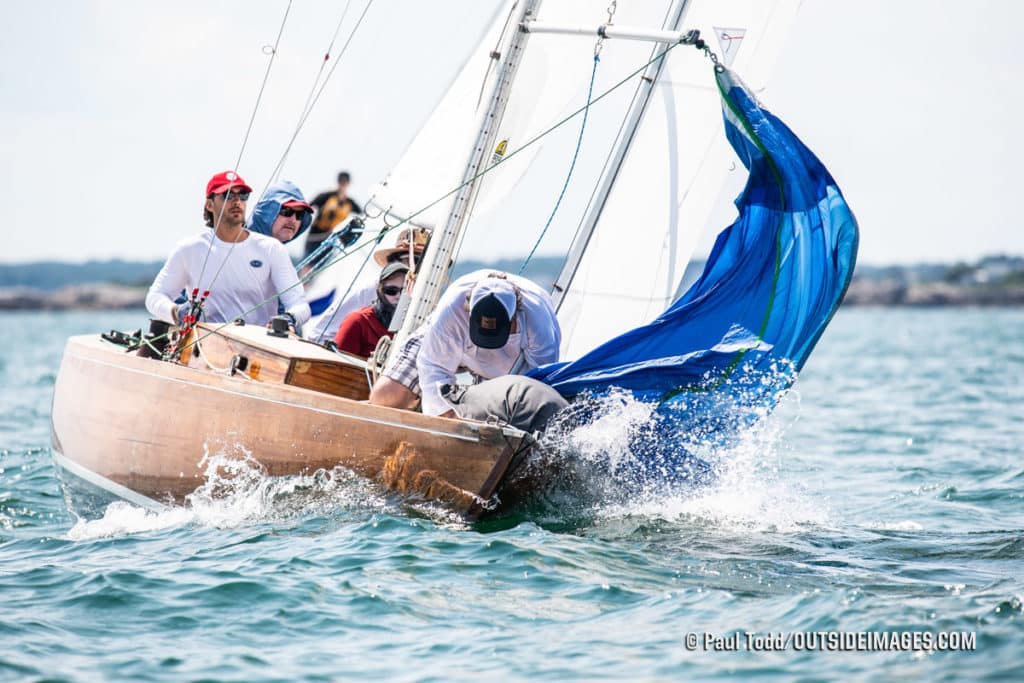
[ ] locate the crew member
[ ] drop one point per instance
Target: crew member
(410, 241)
(282, 212)
(333, 207)
(243, 271)
(362, 329)
(487, 322)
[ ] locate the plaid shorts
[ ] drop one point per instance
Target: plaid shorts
(401, 366)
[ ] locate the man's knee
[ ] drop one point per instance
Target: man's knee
(388, 392)
(516, 400)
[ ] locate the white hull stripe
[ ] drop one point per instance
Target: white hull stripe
(105, 484)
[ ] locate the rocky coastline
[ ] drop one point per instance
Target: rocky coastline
(991, 281)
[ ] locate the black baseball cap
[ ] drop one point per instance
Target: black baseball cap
(490, 320)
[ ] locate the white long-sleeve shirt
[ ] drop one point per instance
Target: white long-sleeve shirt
(446, 346)
(254, 271)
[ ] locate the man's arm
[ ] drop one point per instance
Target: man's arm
(542, 338)
(321, 199)
(286, 283)
(438, 360)
(172, 278)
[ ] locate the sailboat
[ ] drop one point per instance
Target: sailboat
(137, 428)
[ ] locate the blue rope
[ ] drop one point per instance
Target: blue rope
(565, 186)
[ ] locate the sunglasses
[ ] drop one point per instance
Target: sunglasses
(391, 291)
(229, 196)
(289, 211)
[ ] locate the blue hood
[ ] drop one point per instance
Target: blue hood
(269, 206)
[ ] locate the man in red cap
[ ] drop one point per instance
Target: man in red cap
(243, 272)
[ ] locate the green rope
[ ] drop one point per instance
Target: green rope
(575, 155)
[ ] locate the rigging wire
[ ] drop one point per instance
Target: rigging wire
(327, 56)
(266, 77)
(195, 302)
(470, 180)
(575, 155)
(195, 308)
(305, 114)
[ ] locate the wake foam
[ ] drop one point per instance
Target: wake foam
(237, 491)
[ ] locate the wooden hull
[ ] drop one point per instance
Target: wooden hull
(138, 428)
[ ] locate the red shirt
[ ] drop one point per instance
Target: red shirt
(359, 332)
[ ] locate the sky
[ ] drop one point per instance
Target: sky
(113, 114)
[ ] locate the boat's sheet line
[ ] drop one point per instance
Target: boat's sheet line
(303, 406)
(106, 484)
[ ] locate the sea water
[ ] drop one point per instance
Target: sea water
(878, 510)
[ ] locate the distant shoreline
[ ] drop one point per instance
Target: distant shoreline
(95, 297)
(994, 281)
(861, 294)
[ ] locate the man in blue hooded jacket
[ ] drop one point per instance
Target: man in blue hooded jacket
(282, 212)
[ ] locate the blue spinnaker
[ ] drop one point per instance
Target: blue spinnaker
(769, 288)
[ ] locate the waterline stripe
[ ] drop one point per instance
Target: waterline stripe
(107, 485)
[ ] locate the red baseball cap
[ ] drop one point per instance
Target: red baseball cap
(295, 204)
(222, 182)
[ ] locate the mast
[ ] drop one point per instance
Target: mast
(438, 259)
(672, 26)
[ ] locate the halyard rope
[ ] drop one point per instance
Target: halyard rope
(575, 155)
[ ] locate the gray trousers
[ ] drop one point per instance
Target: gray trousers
(521, 402)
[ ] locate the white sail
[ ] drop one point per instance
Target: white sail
(550, 82)
(548, 77)
(436, 159)
(666, 186)
(671, 178)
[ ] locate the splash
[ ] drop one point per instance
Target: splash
(237, 491)
(124, 519)
(699, 459)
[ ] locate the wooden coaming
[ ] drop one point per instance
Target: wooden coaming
(290, 360)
